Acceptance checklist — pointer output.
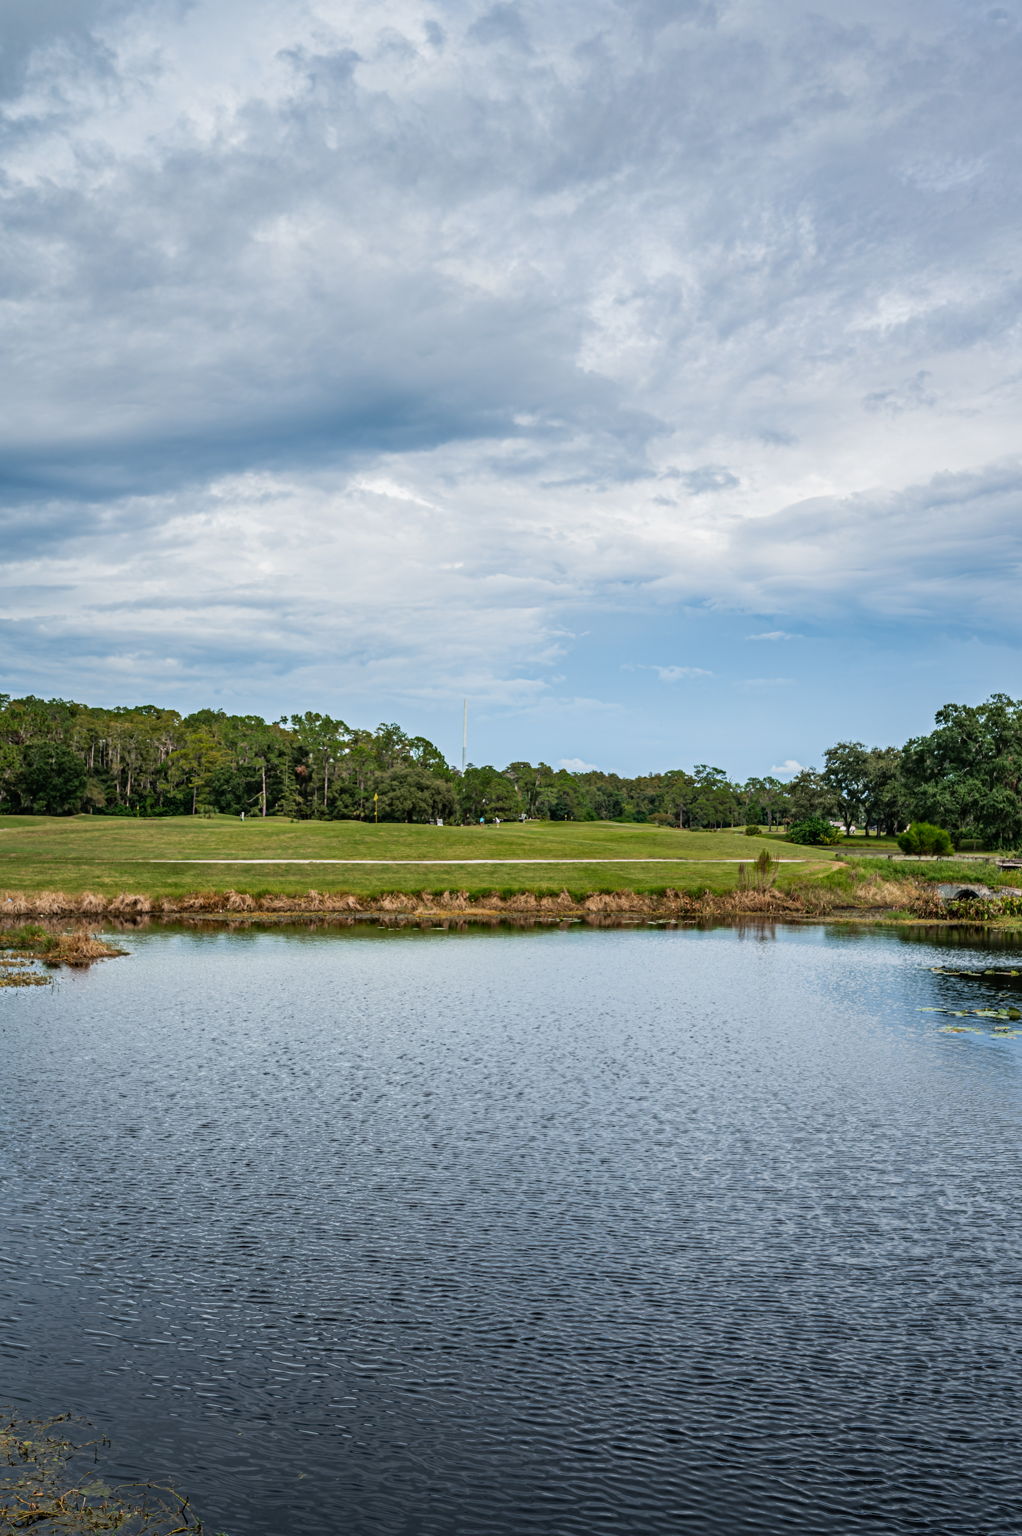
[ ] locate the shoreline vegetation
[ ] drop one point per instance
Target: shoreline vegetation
(49, 1481)
(871, 899)
(24, 948)
(89, 873)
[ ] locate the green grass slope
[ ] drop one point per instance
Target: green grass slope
(151, 857)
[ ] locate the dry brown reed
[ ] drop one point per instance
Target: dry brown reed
(77, 950)
(756, 895)
(54, 945)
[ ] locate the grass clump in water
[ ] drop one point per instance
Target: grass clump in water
(27, 936)
(77, 947)
(25, 978)
(18, 950)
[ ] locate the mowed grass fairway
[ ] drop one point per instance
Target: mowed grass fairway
(110, 855)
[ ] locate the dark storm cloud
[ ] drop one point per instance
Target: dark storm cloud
(291, 287)
(160, 343)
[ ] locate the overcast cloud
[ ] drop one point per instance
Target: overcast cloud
(357, 356)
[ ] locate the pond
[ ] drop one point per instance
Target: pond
(488, 1233)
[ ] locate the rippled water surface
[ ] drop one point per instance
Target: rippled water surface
(436, 1234)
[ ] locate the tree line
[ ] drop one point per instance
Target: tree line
(58, 757)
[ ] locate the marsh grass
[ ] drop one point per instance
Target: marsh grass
(53, 947)
(758, 890)
(77, 950)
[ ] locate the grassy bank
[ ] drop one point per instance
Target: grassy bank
(108, 856)
(848, 875)
(96, 867)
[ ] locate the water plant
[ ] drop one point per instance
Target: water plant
(1007, 1014)
(1009, 974)
(1001, 1032)
(77, 947)
(49, 1482)
(26, 936)
(26, 978)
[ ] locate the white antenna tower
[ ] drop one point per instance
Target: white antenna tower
(464, 736)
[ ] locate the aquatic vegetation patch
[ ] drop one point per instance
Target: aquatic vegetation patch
(18, 957)
(77, 949)
(1002, 1021)
(977, 1013)
(23, 979)
(27, 936)
(53, 947)
(1009, 975)
(49, 1483)
(972, 1029)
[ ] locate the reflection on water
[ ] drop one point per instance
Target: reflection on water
(449, 1233)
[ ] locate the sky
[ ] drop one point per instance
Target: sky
(646, 373)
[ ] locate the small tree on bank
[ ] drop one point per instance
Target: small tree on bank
(923, 837)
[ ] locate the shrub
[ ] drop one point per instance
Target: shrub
(815, 831)
(753, 831)
(922, 837)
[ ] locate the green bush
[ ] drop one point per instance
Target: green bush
(922, 837)
(753, 831)
(815, 831)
